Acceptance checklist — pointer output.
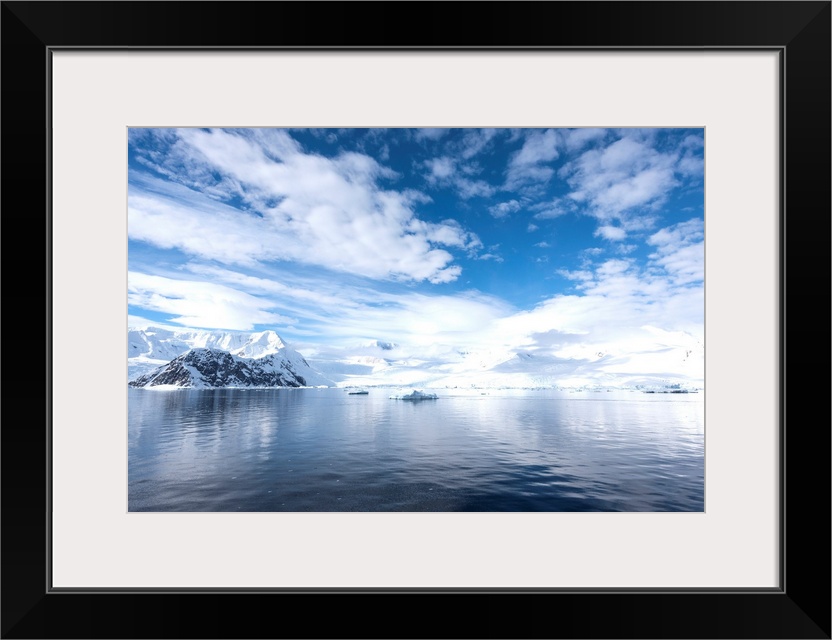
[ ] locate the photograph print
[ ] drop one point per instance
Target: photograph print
(416, 320)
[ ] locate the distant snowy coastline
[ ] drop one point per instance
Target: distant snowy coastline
(263, 359)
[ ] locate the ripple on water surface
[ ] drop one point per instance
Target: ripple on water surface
(324, 450)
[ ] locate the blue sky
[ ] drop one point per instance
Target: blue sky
(523, 238)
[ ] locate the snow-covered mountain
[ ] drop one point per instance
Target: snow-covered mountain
(205, 368)
(153, 348)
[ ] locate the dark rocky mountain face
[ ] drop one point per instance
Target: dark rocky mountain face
(214, 368)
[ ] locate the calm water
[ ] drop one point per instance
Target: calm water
(325, 450)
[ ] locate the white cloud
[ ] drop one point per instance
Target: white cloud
(612, 268)
(303, 207)
(440, 168)
(543, 245)
(552, 209)
(686, 264)
(575, 139)
(445, 172)
(694, 141)
(430, 134)
(690, 165)
(530, 164)
(435, 322)
(680, 251)
(419, 322)
(473, 188)
(503, 209)
(540, 146)
(290, 291)
(684, 233)
(326, 312)
(201, 304)
(448, 232)
(621, 179)
(664, 297)
(140, 322)
(580, 275)
(475, 141)
(620, 309)
(611, 233)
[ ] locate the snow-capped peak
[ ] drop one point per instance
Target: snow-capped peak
(166, 344)
(152, 347)
(259, 345)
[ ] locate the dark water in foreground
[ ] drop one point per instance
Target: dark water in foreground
(325, 450)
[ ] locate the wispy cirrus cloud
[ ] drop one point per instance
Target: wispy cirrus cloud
(477, 141)
(575, 139)
(331, 212)
(531, 165)
(332, 313)
(553, 208)
(430, 134)
(680, 251)
(201, 304)
(447, 172)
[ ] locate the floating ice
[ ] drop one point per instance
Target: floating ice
(414, 395)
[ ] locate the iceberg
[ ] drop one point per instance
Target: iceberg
(414, 395)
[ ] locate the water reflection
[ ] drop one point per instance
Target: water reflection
(325, 450)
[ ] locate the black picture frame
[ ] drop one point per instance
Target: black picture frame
(799, 608)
